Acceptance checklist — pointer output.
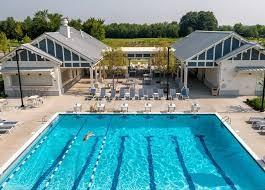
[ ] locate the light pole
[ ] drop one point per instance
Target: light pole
(19, 78)
(168, 51)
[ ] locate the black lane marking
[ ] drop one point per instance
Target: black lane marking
(150, 163)
(82, 172)
(216, 165)
(182, 163)
(115, 179)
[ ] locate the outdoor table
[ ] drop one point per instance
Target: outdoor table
(171, 107)
(100, 107)
(147, 107)
(156, 96)
(195, 107)
(178, 95)
(124, 107)
(127, 95)
(77, 107)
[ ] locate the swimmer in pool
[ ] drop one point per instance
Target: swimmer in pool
(88, 135)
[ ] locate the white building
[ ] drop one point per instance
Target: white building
(53, 62)
(222, 60)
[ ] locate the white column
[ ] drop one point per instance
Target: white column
(96, 74)
(91, 75)
(181, 73)
(185, 76)
(59, 80)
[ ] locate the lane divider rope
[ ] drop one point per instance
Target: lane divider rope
(60, 163)
(23, 162)
(27, 158)
(64, 155)
(98, 158)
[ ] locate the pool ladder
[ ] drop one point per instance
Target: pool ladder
(227, 119)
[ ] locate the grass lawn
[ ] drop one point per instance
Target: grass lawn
(135, 42)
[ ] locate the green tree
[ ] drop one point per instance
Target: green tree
(26, 39)
(113, 60)
(160, 61)
(18, 31)
(203, 20)
(4, 44)
(76, 23)
(27, 26)
(95, 28)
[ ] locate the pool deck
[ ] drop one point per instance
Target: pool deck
(31, 118)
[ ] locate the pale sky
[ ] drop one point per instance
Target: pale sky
(140, 11)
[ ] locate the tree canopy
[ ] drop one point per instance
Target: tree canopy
(45, 21)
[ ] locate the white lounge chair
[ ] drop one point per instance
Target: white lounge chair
(171, 107)
(253, 120)
(124, 107)
(100, 107)
(147, 107)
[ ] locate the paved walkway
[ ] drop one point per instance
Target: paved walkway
(31, 117)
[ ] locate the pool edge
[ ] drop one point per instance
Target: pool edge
(27, 144)
(255, 157)
(16, 155)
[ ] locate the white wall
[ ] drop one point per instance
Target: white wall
(211, 77)
(49, 89)
(236, 83)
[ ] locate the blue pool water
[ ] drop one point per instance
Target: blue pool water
(135, 152)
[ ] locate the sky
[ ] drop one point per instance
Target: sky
(228, 12)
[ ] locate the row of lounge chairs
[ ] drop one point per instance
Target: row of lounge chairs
(132, 93)
(257, 123)
(7, 126)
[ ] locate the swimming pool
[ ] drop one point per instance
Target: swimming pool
(135, 151)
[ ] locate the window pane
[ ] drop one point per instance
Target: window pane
(227, 44)
(238, 57)
(146, 55)
(210, 54)
(67, 55)
(194, 58)
(218, 51)
(67, 64)
(85, 65)
(75, 57)
(23, 55)
(82, 59)
(201, 64)
(32, 56)
(192, 64)
(202, 56)
(255, 54)
(59, 51)
(42, 45)
(39, 58)
(75, 64)
(235, 43)
(138, 55)
(130, 55)
(50, 47)
(209, 64)
(246, 55)
(262, 56)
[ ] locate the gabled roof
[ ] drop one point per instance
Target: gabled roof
(81, 42)
(197, 42)
(236, 51)
(33, 49)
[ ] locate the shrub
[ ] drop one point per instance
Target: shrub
(255, 103)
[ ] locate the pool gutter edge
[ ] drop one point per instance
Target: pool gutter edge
(15, 156)
(20, 151)
(242, 142)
